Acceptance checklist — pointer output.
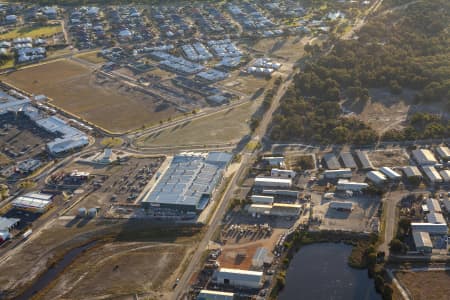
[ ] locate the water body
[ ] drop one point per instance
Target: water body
(320, 272)
(52, 273)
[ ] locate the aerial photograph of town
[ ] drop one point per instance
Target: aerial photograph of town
(225, 149)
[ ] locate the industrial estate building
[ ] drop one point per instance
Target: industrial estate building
(348, 161)
(238, 278)
(366, 163)
(35, 202)
(422, 241)
(424, 157)
(339, 173)
(443, 152)
(412, 171)
(390, 173)
(346, 185)
(189, 182)
(68, 137)
(436, 226)
(261, 181)
(331, 161)
(214, 295)
(376, 177)
(432, 174)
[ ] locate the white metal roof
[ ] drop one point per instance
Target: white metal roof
(424, 157)
(436, 218)
(422, 239)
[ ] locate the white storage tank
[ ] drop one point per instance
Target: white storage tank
(92, 213)
(82, 212)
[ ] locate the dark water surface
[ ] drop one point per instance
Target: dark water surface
(320, 272)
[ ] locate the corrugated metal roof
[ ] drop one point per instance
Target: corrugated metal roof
(412, 171)
(347, 159)
(364, 160)
(422, 239)
(331, 161)
(436, 218)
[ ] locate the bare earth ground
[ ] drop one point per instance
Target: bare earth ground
(239, 254)
(144, 259)
(385, 111)
(389, 158)
(74, 88)
(426, 285)
(120, 269)
(223, 127)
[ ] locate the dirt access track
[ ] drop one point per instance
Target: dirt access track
(105, 102)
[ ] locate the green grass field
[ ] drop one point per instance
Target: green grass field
(33, 32)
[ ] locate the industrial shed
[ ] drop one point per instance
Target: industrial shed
(285, 210)
(287, 193)
(445, 174)
(282, 173)
(342, 206)
(443, 152)
(390, 173)
(436, 218)
(348, 161)
(35, 202)
(432, 174)
(6, 224)
(331, 161)
(431, 228)
(422, 241)
(363, 157)
(424, 157)
(258, 199)
(412, 171)
(433, 205)
(239, 278)
(273, 182)
(339, 173)
(345, 185)
(214, 295)
(376, 177)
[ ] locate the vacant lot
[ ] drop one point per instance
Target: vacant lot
(360, 219)
(436, 284)
(224, 127)
(107, 103)
(130, 257)
(389, 158)
(32, 32)
(121, 269)
(92, 57)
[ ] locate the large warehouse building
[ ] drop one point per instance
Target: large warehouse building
(238, 278)
(189, 182)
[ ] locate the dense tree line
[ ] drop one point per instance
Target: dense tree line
(405, 49)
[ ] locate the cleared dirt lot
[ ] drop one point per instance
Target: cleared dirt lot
(120, 269)
(224, 127)
(73, 87)
(359, 220)
(146, 256)
(426, 285)
(389, 158)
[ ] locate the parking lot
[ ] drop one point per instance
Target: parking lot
(113, 184)
(21, 140)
